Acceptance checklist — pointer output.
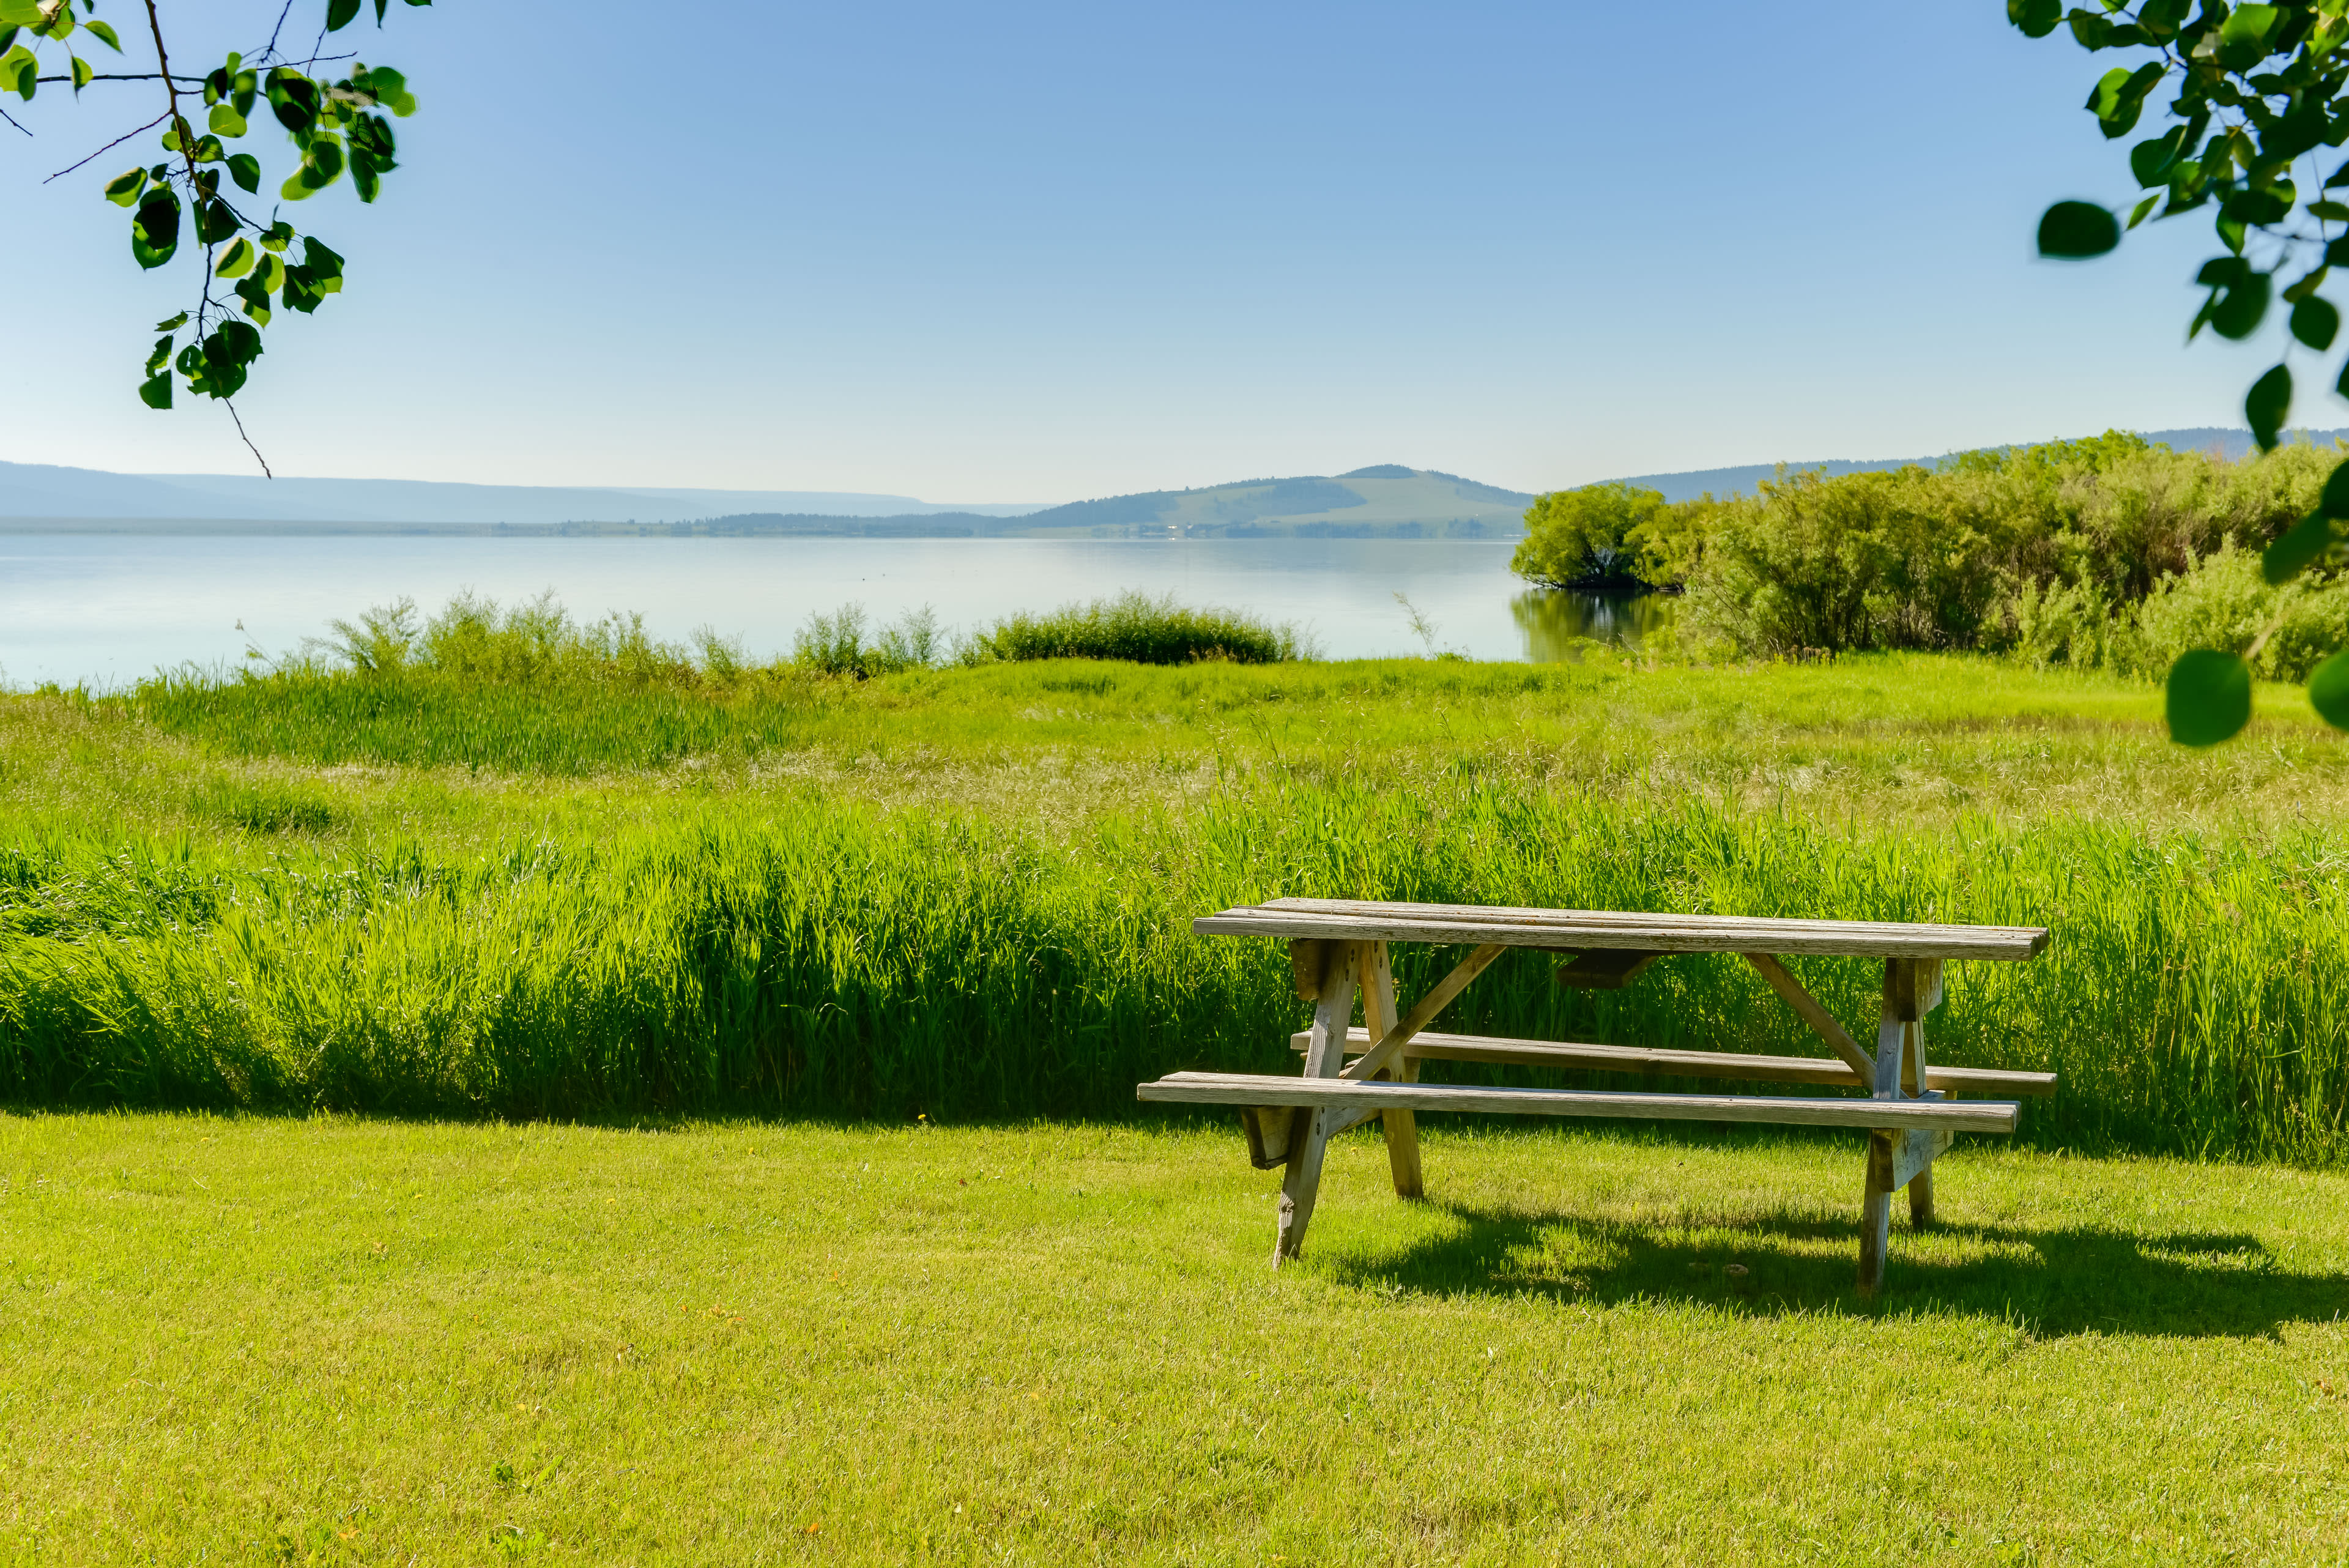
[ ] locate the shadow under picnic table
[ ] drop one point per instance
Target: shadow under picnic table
(2058, 1278)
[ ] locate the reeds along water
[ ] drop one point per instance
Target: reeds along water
(841, 963)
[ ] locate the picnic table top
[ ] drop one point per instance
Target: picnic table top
(1353, 919)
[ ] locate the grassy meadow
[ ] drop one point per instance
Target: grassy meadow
(964, 893)
(665, 1113)
(338, 1341)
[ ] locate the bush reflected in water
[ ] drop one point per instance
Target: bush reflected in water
(1556, 622)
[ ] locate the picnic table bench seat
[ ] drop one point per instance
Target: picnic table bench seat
(1337, 950)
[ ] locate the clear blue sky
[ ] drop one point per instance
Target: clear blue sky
(1039, 252)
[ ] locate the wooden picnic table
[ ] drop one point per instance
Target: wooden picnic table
(1337, 950)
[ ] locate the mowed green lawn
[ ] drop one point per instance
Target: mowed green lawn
(334, 1340)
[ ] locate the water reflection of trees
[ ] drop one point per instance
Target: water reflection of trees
(1553, 621)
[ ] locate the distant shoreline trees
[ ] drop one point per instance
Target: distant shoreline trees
(2114, 552)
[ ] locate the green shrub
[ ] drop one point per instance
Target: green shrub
(1593, 538)
(2045, 551)
(2223, 602)
(835, 644)
(1136, 627)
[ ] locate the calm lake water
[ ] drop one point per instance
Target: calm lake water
(108, 610)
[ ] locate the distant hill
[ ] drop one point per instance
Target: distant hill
(41, 490)
(1383, 500)
(1689, 485)
(1388, 502)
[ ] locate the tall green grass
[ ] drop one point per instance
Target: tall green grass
(1138, 628)
(824, 958)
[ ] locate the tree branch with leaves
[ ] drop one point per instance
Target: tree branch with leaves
(2259, 92)
(249, 269)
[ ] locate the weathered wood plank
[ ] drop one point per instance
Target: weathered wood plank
(1892, 1032)
(1808, 1008)
(1268, 1130)
(1399, 1127)
(1823, 1070)
(1914, 1076)
(1876, 1213)
(1913, 1154)
(1325, 1054)
(1585, 929)
(1424, 1011)
(1308, 957)
(1261, 1089)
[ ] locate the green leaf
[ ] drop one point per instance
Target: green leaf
(215, 221)
(2333, 500)
(81, 72)
(294, 98)
(124, 187)
(2314, 322)
(2208, 697)
(208, 150)
(2268, 404)
(162, 353)
(245, 170)
(318, 274)
(218, 369)
(104, 32)
(236, 261)
(2037, 18)
(254, 291)
(2243, 37)
(174, 323)
(227, 121)
(2073, 231)
(2138, 213)
(2239, 309)
(2291, 552)
(2328, 690)
(390, 89)
(339, 14)
(321, 167)
(2152, 161)
(155, 391)
(277, 236)
(19, 71)
(2118, 97)
(155, 227)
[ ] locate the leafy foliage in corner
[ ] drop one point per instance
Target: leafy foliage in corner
(2256, 92)
(335, 124)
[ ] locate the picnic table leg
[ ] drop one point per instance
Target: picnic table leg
(1325, 1055)
(1894, 1060)
(1912, 1081)
(1401, 1131)
(1876, 1213)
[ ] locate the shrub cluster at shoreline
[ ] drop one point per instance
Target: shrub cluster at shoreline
(539, 641)
(2109, 553)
